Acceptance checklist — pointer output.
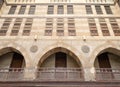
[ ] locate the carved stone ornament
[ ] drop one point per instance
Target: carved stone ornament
(34, 48)
(85, 49)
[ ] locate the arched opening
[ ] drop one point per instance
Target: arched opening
(60, 60)
(60, 63)
(107, 64)
(11, 64)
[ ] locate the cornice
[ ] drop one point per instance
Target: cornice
(59, 16)
(58, 3)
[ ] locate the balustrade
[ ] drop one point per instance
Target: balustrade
(107, 74)
(57, 74)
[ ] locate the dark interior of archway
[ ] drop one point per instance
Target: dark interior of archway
(12, 60)
(17, 60)
(103, 60)
(60, 59)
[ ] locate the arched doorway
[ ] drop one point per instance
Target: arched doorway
(107, 64)
(60, 63)
(12, 64)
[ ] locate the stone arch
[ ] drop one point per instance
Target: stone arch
(17, 48)
(8, 53)
(99, 50)
(110, 51)
(59, 49)
(60, 45)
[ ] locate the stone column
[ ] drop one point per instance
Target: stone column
(30, 73)
(89, 74)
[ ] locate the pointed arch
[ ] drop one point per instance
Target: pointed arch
(106, 55)
(11, 58)
(102, 48)
(18, 49)
(59, 49)
(64, 48)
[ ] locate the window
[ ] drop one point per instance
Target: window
(49, 27)
(50, 9)
(71, 27)
(98, 9)
(117, 32)
(89, 9)
(108, 9)
(14, 32)
(104, 27)
(5, 26)
(60, 32)
(3, 32)
(22, 10)
(115, 26)
(48, 32)
(32, 10)
(60, 9)
(1, 3)
(69, 9)
(60, 59)
(60, 27)
(119, 3)
(72, 32)
(92, 26)
(12, 10)
(16, 27)
(27, 27)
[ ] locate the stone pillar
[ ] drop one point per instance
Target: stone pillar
(89, 74)
(30, 73)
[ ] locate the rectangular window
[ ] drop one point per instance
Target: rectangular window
(72, 32)
(27, 27)
(60, 9)
(89, 9)
(108, 9)
(1, 3)
(12, 10)
(60, 60)
(69, 9)
(71, 27)
(32, 10)
(60, 32)
(48, 32)
(22, 10)
(14, 32)
(92, 26)
(115, 26)
(104, 27)
(119, 3)
(3, 32)
(98, 9)
(49, 27)
(16, 27)
(5, 26)
(104, 61)
(50, 9)
(60, 27)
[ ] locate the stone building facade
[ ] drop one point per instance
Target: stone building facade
(61, 35)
